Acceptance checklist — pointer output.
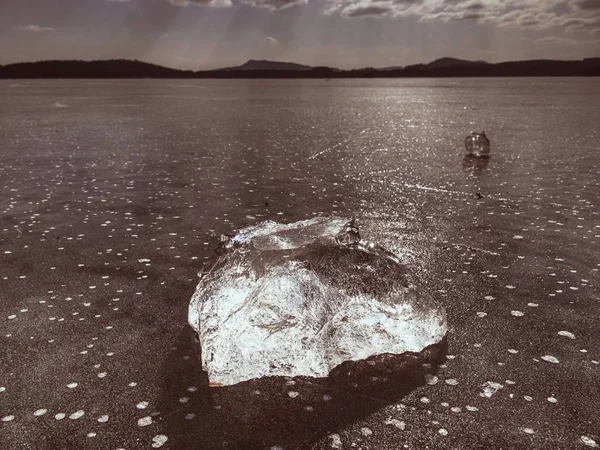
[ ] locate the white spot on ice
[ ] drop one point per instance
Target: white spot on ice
(103, 419)
(40, 412)
(142, 405)
(145, 421)
(589, 441)
(72, 385)
(566, 334)
(336, 441)
(159, 440)
(77, 414)
(550, 359)
(431, 379)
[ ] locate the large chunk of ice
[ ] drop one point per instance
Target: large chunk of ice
(300, 299)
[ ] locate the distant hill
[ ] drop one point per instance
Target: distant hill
(444, 63)
(116, 68)
(253, 64)
(443, 67)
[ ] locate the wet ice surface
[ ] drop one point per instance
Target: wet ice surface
(113, 202)
(307, 299)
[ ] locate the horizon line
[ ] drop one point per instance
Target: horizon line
(399, 67)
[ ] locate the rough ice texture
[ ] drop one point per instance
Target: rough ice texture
(300, 299)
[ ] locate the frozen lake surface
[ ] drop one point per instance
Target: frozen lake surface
(115, 194)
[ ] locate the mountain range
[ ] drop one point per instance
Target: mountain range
(443, 67)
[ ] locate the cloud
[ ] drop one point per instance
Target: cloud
(559, 40)
(215, 3)
(367, 10)
(371, 8)
(35, 29)
(587, 4)
(570, 15)
(274, 4)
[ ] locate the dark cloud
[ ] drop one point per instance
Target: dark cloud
(274, 4)
(200, 2)
(588, 4)
(370, 10)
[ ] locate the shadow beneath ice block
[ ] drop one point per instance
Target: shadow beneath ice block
(280, 412)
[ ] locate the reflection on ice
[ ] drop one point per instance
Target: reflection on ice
(475, 165)
(302, 299)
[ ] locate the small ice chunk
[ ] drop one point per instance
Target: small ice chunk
(477, 144)
(400, 424)
(490, 388)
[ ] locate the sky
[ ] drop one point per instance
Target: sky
(207, 34)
